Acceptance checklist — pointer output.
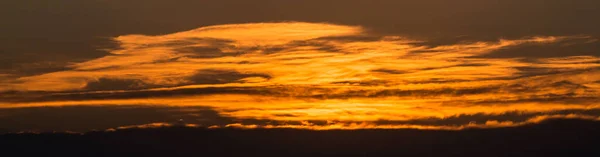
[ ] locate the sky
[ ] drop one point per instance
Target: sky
(383, 64)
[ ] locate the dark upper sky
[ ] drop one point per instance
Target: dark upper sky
(66, 30)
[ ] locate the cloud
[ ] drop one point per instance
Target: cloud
(86, 118)
(114, 84)
(316, 72)
(366, 125)
(107, 117)
(576, 46)
(222, 76)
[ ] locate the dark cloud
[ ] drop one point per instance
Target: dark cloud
(40, 96)
(481, 118)
(86, 118)
(320, 44)
(102, 117)
(106, 84)
(454, 120)
(198, 47)
(563, 48)
(537, 71)
(201, 77)
(390, 71)
(221, 76)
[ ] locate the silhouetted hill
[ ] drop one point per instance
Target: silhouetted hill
(551, 138)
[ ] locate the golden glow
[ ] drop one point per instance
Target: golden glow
(314, 73)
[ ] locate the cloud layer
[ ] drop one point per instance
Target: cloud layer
(296, 73)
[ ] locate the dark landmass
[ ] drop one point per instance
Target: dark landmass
(550, 138)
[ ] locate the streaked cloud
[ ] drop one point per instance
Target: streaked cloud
(297, 72)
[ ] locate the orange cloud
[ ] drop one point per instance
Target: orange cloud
(296, 71)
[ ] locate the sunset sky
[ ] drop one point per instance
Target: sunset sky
(341, 64)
